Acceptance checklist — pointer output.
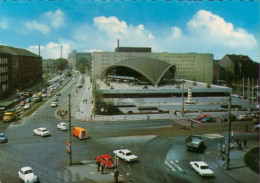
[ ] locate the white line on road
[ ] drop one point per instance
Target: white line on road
(176, 165)
(170, 166)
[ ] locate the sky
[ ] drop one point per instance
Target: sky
(217, 27)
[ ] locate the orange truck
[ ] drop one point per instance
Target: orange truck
(80, 132)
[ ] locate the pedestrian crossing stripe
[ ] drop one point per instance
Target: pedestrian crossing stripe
(213, 135)
(172, 164)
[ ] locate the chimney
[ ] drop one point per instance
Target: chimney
(39, 50)
(118, 43)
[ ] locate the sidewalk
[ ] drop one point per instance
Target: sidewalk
(238, 170)
(88, 170)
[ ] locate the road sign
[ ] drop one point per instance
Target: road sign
(68, 144)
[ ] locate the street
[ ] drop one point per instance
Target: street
(159, 145)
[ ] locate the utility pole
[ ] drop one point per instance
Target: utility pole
(182, 107)
(60, 51)
(252, 90)
(243, 88)
(228, 136)
(69, 148)
(248, 92)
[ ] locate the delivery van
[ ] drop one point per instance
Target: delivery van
(80, 132)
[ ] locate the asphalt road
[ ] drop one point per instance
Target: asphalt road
(158, 145)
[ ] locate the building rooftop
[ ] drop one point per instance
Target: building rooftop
(16, 51)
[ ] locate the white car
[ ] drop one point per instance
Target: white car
(202, 168)
(54, 104)
(41, 131)
(125, 154)
(44, 95)
(62, 126)
(26, 175)
(27, 106)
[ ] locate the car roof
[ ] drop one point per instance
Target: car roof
(106, 156)
(201, 163)
(124, 150)
(62, 123)
(42, 128)
(26, 168)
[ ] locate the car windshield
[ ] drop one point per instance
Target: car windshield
(129, 154)
(109, 159)
(2, 135)
(204, 167)
(28, 171)
(44, 130)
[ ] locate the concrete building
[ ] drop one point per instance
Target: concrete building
(48, 66)
(240, 66)
(25, 68)
(192, 66)
(74, 56)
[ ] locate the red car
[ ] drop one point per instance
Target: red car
(203, 116)
(106, 160)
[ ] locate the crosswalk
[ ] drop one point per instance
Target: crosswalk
(173, 165)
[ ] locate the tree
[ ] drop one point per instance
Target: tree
(61, 64)
(82, 65)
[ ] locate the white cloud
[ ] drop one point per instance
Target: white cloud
(51, 50)
(46, 22)
(56, 18)
(36, 26)
(4, 23)
(214, 29)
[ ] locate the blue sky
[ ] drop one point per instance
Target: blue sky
(229, 27)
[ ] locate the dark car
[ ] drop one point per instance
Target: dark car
(224, 118)
(208, 119)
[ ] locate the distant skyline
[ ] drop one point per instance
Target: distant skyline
(217, 27)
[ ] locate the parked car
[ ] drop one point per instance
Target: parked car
(105, 160)
(28, 100)
(44, 95)
(55, 99)
(22, 103)
(27, 106)
(243, 117)
(3, 139)
(41, 132)
(27, 175)
(62, 126)
(200, 117)
(208, 119)
(125, 154)
(201, 168)
(224, 117)
(54, 104)
(58, 94)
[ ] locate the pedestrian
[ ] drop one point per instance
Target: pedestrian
(245, 143)
(98, 163)
(102, 168)
(116, 174)
(239, 145)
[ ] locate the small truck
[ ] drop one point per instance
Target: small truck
(194, 143)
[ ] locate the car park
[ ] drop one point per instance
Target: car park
(41, 132)
(208, 119)
(106, 160)
(3, 139)
(62, 126)
(27, 106)
(201, 168)
(54, 104)
(125, 154)
(27, 175)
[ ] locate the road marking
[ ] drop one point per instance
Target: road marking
(176, 165)
(170, 166)
(213, 135)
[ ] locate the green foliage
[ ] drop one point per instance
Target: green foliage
(82, 65)
(69, 74)
(60, 64)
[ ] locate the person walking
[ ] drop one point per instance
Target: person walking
(245, 143)
(116, 174)
(98, 166)
(102, 168)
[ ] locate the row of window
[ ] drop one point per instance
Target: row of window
(3, 61)
(3, 69)
(3, 78)
(4, 88)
